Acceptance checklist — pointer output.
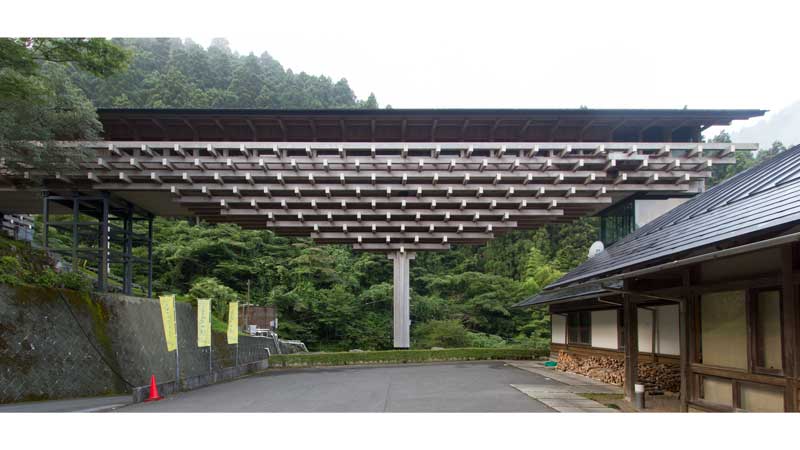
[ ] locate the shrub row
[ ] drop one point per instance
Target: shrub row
(402, 356)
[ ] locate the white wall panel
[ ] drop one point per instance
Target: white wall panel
(604, 329)
(558, 328)
(668, 330)
(645, 330)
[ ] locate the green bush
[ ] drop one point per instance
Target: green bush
(48, 277)
(74, 280)
(45, 278)
(220, 295)
(533, 341)
(402, 356)
(483, 340)
(441, 333)
(11, 271)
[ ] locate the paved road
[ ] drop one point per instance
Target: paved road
(89, 404)
(452, 387)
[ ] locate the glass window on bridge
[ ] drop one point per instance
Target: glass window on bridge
(617, 222)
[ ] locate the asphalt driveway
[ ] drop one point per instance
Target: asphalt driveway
(483, 386)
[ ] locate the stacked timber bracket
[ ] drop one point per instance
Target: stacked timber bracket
(394, 196)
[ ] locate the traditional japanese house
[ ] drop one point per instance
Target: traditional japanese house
(702, 300)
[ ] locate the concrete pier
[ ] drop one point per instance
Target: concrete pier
(402, 320)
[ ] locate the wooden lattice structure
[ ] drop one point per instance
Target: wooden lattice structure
(400, 196)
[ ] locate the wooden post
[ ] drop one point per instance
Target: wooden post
(684, 320)
(631, 346)
(790, 311)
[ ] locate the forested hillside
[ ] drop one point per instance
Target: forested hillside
(173, 73)
(329, 296)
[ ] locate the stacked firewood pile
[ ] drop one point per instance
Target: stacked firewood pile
(601, 368)
(665, 377)
(656, 376)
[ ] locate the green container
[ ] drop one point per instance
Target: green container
(550, 363)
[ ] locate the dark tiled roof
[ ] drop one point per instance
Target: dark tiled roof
(764, 197)
(591, 290)
(709, 115)
(414, 125)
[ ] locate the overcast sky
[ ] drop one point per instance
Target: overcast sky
(603, 54)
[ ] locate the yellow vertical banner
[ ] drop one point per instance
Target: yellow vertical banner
(203, 322)
(168, 318)
(233, 323)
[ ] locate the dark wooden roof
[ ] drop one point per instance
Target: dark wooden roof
(416, 125)
(758, 200)
(591, 290)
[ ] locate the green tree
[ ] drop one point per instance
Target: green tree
(168, 72)
(574, 241)
(220, 295)
(39, 103)
(744, 159)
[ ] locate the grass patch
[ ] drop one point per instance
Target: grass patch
(607, 400)
(402, 356)
(602, 397)
(218, 325)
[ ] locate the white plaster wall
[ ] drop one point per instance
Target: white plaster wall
(604, 329)
(668, 329)
(558, 327)
(645, 330)
(647, 210)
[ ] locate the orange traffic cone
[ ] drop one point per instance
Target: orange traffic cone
(153, 390)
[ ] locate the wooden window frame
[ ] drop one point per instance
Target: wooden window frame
(751, 297)
(736, 393)
(588, 314)
(751, 309)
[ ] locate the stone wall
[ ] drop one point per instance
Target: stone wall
(654, 375)
(82, 345)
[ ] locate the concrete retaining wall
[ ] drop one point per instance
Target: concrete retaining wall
(85, 345)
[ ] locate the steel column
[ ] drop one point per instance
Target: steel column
(46, 221)
(150, 259)
(75, 220)
(127, 255)
(102, 262)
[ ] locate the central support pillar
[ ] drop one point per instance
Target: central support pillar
(402, 319)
